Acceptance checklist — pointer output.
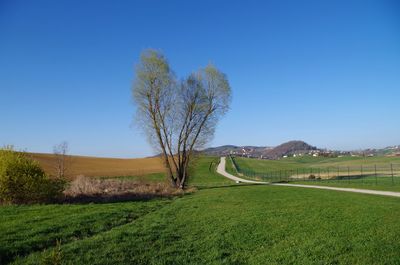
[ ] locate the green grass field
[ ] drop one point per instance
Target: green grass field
(381, 183)
(307, 162)
(204, 174)
(221, 223)
(358, 172)
(26, 229)
(229, 167)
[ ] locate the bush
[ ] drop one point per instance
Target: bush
(22, 180)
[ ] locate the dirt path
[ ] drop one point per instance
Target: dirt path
(221, 170)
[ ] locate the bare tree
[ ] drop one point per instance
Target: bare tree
(60, 152)
(178, 117)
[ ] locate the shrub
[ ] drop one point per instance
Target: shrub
(22, 180)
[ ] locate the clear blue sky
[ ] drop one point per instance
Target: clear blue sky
(327, 72)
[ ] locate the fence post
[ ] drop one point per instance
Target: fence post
(338, 173)
(348, 174)
(362, 179)
(376, 176)
(391, 169)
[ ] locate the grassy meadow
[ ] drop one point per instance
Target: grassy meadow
(221, 223)
(307, 162)
(27, 229)
(354, 172)
(372, 183)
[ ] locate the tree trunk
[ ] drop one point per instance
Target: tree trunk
(169, 169)
(184, 172)
(183, 180)
(173, 183)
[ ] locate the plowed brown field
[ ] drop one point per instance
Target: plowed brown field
(97, 166)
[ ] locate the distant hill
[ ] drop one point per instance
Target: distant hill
(387, 151)
(288, 148)
(294, 148)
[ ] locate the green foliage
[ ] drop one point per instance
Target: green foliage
(22, 180)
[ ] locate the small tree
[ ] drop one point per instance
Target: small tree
(178, 117)
(60, 152)
(22, 180)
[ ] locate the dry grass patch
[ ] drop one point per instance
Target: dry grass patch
(86, 189)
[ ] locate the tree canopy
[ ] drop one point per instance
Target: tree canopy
(178, 117)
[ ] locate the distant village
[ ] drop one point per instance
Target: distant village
(296, 149)
(388, 151)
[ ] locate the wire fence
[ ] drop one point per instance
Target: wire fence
(380, 174)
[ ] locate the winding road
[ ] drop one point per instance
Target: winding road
(221, 170)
